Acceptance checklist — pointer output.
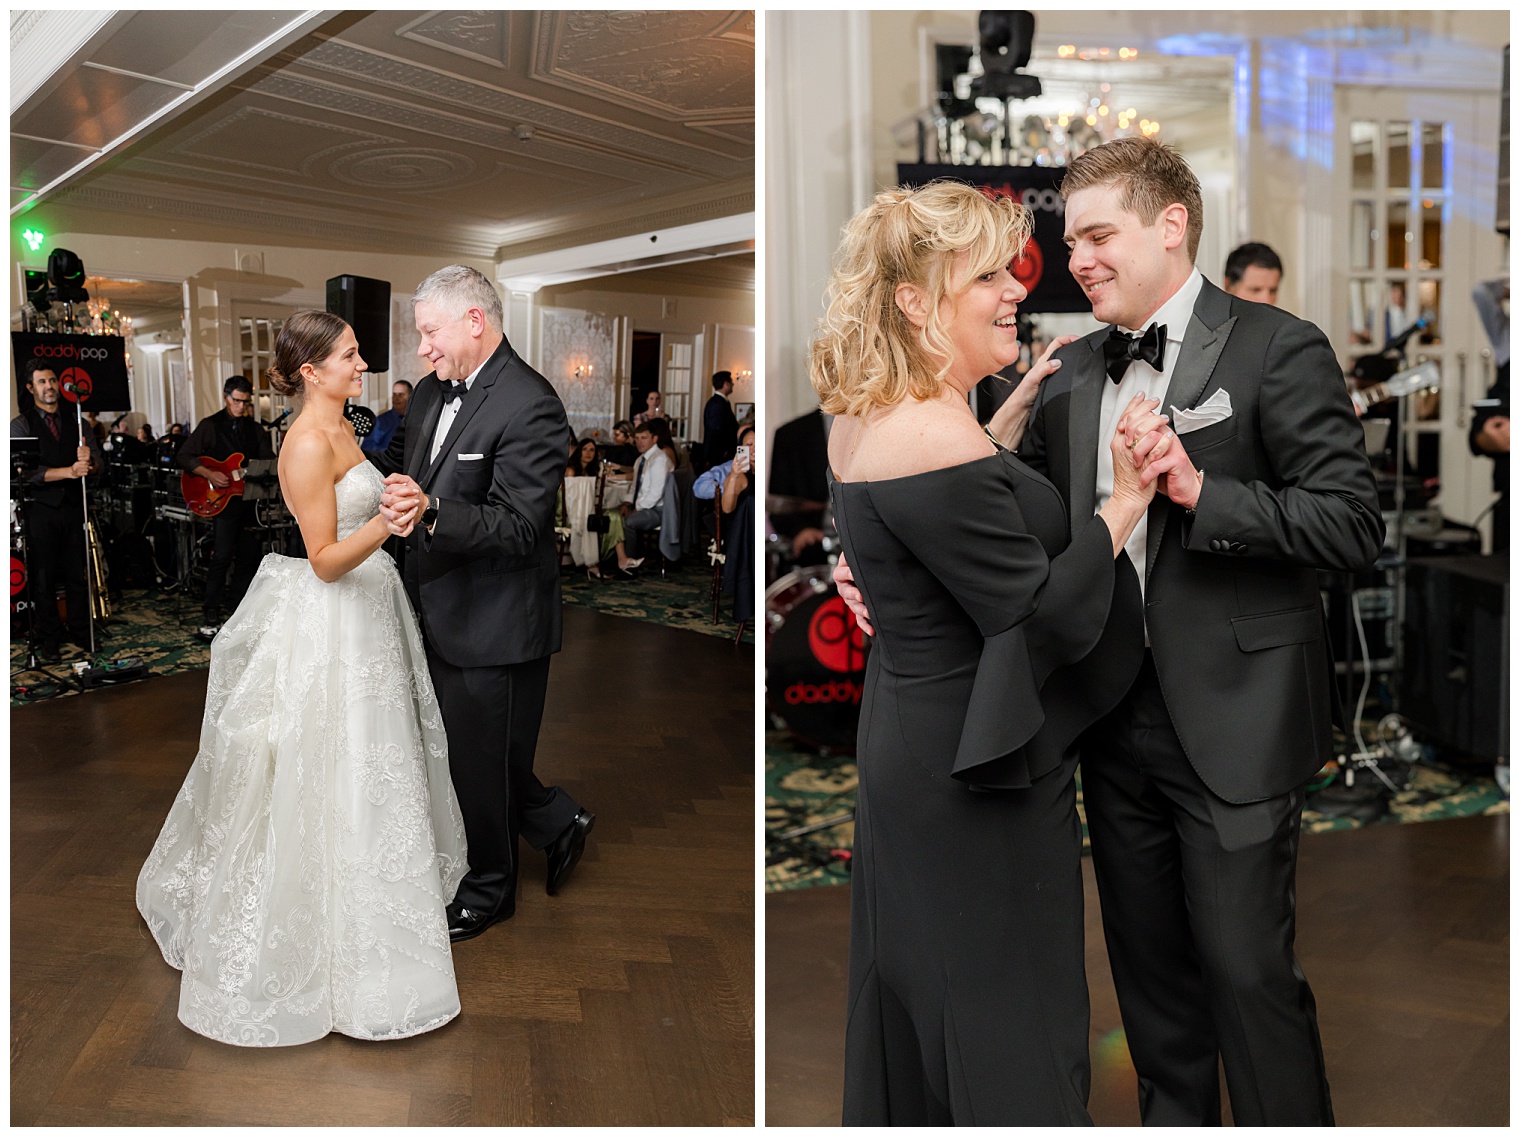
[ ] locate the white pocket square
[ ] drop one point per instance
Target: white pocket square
(468, 457)
(1214, 409)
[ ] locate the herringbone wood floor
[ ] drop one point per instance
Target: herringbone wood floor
(627, 999)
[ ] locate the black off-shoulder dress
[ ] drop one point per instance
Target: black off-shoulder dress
(999, 638)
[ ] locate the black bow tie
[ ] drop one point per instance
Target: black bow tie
(452, 391)
(1119, 350)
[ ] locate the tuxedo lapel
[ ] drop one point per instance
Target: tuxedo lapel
(1082, 434)
(1207, 333)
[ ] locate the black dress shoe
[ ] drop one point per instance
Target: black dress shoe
(466, 923)
(566, 851)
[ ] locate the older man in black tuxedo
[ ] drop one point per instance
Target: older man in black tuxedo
(1193, 785)
(479, 463)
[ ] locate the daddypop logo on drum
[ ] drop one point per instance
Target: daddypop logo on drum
(836, 642)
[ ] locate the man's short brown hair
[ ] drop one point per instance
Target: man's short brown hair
(1151, 176)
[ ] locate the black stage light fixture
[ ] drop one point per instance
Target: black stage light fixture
(66, 276)
(1004, 40)
(951, 61)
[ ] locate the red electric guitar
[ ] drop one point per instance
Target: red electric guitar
(201, 497)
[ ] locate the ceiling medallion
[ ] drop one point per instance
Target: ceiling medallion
(403, 168)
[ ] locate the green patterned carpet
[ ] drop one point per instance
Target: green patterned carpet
(146, 625)
(803, 789)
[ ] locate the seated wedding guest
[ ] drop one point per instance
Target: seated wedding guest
(387, 423)
(1253, 272)
(622, 453)
(643, 511)
(584, 462)
(715, 483)
(652, 409)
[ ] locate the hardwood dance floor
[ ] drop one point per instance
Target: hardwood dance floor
(627, 999)
(1403, 931)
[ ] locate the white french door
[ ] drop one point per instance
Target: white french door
(1417, 222)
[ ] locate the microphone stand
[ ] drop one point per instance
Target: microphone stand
(84, 498)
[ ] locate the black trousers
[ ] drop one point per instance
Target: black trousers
(1198, 912)
(492, 716)
(55, 556)
(235, 547)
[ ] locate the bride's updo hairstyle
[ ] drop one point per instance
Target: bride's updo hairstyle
(867, 354)
(309, 336)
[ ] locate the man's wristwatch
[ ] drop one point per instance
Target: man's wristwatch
(429, 517)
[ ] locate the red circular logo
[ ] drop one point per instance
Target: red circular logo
(834, 637)
(18, 576)
(76, 384)
(1029, 265)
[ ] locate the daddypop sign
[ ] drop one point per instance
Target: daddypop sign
(91, 370)
(1043, 267)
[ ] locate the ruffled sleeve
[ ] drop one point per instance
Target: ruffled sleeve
(1040, 617)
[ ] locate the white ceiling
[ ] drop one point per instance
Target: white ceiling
(492, 134)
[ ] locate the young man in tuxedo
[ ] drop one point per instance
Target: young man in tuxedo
(720, 429)
(478, 464)
(1192, 786)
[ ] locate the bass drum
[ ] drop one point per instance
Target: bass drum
(815, 659)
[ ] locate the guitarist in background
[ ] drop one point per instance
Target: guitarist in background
(232, 430)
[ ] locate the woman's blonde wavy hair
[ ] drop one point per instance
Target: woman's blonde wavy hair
(867, 354)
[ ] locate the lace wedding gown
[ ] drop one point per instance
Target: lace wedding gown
(300, 879)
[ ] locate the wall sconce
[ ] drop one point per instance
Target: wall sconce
(584, 370)
(581, 367)
(746, 373)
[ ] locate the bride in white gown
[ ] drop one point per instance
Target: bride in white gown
(300, 879)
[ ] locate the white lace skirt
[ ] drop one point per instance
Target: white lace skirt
(300, 879)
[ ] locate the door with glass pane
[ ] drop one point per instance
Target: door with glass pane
(1419, 235)
(256, 327)
(678, 365)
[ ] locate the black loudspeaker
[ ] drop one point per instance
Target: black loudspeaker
(1455, 683)
(366, 305)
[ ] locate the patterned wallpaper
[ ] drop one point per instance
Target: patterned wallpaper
(575, 341)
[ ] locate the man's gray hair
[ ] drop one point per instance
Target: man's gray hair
(458, 288)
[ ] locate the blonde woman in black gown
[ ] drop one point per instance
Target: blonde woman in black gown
(968, 1000)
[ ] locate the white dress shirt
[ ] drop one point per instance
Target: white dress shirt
(649, 474)
(1140, 376)
(450, 409)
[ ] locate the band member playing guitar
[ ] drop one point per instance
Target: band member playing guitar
(231, 431)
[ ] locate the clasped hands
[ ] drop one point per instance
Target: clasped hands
(1146, 441)
(401, 504)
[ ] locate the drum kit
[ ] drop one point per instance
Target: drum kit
(815, 651)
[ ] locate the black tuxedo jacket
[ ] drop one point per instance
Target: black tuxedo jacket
(486, 582)
(720, 429)
(1232, 600)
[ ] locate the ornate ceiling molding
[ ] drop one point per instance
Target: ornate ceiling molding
(478, 35)
(605, 54)
(255, 221)
(571, 235)
(356, 64)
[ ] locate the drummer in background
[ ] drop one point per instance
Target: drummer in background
(799, 488)
(231, 430)
(55, 514)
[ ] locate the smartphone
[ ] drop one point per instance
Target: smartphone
(741, 459)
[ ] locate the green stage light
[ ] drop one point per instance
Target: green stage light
(34, 238)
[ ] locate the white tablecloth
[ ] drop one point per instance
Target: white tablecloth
(580, 500)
